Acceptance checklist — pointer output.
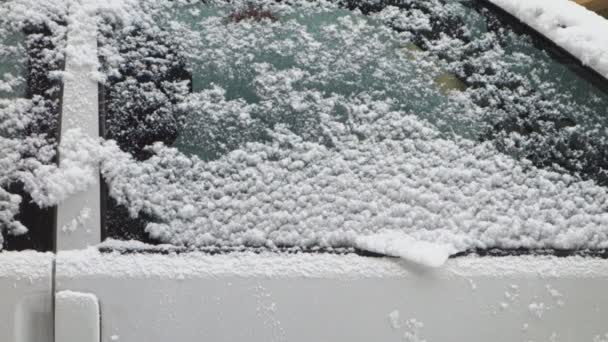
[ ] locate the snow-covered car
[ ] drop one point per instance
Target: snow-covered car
(297, 170)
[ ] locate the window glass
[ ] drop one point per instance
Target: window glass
(31, 37)
(313, 124)
(12, 65)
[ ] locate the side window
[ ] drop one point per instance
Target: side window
(313, 127)
(138, 106)
(30, 105)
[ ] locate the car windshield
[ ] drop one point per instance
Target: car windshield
(316, 124)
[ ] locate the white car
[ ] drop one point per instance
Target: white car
(303, 170)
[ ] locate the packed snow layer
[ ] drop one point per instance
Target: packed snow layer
(26, 265)
(76, 298)
(434, 190)
(90, 263)
(581, 32)
(403, 246)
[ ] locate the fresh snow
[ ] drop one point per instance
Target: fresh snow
(393, 318)
(76, 298)
(403, 246)
(305, 144)
(27, 265)
(580, 31)
(77, 222)
(90, 263)
(416, 191)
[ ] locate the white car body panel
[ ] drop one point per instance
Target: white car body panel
(193, 297)
(26, 297)
(79, 216)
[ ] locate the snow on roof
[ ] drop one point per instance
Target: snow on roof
(580, 31)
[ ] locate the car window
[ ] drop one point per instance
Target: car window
(313, 124)
(31, 39)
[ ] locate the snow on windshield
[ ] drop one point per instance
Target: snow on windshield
(31, 41)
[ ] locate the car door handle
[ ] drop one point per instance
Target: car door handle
(77, 317)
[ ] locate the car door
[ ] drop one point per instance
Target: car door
(206, 106)
(27, 296)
